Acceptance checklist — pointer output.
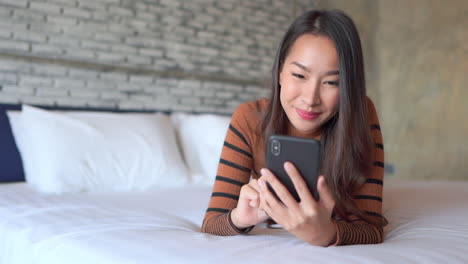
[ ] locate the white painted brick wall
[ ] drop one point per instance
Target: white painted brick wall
(198, 55)
(15, 3)
(16, 46)
(8, 78)
(47, 50)
(38, 100)
(31, 80)
(69, 83)
(22, 90)
(52, 92)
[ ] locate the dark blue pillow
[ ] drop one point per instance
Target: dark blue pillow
(11, 167)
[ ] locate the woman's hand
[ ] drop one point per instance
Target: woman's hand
(248, 211)
(309, 220)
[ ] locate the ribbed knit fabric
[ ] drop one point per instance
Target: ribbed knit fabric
(243, 155)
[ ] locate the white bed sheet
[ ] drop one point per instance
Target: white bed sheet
(428, 224)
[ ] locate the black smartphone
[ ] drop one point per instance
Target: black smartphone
(303, 153)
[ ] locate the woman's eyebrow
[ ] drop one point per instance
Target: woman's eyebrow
(333, 72)
(301, 66)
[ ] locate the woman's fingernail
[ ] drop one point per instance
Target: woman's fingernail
(287, 166)
(263, 171)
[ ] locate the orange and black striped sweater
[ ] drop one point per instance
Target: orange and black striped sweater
(243, 155)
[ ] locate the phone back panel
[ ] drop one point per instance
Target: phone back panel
(303, 153)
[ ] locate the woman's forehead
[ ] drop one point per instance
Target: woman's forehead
(315, 53)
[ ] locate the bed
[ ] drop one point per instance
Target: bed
(427, 224)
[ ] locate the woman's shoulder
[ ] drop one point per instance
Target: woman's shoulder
(369, 102)
(248, 116)
(371, 111)
(259, 105)
(251, 111)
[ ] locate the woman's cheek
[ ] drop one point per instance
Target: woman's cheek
(332, 99)
(288, 91)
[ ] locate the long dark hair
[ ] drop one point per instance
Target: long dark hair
(346, 137)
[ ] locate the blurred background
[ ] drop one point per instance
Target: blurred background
(210, 56)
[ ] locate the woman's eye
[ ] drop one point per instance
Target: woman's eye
(334, 83)
(297, 75)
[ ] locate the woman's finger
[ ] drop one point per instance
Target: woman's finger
(264, 204)
(280, 190)
(254, 203)
(254, 184)
(326, 196)
(249, 193)
(299, 184)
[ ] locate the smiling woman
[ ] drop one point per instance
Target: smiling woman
(318, 91)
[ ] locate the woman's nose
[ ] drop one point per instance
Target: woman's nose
(311, 94)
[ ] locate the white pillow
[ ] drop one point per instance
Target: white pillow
(201, 138)
(76, 152)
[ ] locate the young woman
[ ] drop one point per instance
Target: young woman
(318, 91)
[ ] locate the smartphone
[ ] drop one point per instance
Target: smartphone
(303, 153)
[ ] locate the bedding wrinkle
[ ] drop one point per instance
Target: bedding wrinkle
(88, 169)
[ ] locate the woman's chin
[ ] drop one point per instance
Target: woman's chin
(306, 128)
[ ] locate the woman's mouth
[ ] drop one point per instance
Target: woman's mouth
(307, 115)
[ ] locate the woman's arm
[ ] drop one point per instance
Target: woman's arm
(234, 171)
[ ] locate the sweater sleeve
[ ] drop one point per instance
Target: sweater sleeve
(368, 198)
(234, 170)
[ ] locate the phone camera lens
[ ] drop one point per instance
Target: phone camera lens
(275, 147)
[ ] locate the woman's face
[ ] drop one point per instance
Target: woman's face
(309, 83)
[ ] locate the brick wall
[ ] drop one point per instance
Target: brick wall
(197, 55)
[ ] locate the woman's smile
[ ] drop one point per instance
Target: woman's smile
(305, 115)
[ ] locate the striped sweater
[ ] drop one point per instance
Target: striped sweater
(243, 155)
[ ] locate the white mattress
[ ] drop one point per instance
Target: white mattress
(428, 224)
